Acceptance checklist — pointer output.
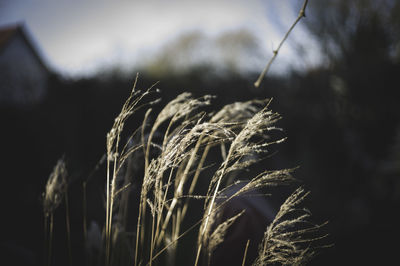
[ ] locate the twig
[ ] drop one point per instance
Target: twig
(302, 14)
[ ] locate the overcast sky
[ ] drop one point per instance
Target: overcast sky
(79, 36)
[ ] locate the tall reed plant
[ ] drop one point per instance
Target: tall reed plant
(183, 158)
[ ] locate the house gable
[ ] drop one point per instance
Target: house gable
(23, 74)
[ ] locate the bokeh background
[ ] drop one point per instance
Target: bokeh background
(335, 82)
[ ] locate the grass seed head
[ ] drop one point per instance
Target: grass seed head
(55, 188)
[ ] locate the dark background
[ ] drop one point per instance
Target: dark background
(341, 119)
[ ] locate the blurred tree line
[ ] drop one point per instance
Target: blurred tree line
(341, 119)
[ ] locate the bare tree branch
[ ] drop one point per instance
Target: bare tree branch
(302, 14)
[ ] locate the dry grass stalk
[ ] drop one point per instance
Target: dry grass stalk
(172, 168)
(242, 145)
(116, 158)
(175, 148)
(179, 155)
(56, 188)
(245, 252)
(288, 239)
(218, 235)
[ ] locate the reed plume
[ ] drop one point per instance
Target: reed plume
(55, 190)
(176, 148)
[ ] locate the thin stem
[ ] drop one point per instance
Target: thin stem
(138, 233)
(152, 240)
(302, 14)
(46, 228)
(68, 228)
(192, 227)
(197, 256)
(210, 208)
(107, 210)
(50, 239)
(160, 235)
(195, 178)
(143, 227)
(216, 188)
(179, 189)
(146, 150)
(160, 201)
(245, 252)
(112, 201)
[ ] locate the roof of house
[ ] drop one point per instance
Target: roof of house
(7, 33)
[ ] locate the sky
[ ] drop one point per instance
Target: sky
(82, 36)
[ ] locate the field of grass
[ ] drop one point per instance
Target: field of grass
(182, 189)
